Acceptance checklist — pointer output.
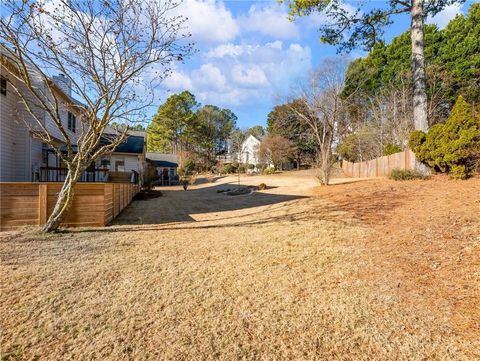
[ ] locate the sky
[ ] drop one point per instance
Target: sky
(248, 54)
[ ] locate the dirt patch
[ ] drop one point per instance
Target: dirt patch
(144, 194)
(426, 240)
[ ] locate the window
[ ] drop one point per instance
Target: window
(105, 162)
(72, 122)
(3, 86)
(119, 166)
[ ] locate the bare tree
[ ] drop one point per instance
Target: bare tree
(113, 53)
(324, 109)
(352, 28)
(275, 149)
(391, 114)
(237, 138)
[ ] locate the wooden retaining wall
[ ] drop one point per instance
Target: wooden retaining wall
(94, 204)
(380, 167)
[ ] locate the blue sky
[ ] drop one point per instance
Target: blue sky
(249, 54)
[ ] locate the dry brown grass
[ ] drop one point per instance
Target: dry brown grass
(282, 274)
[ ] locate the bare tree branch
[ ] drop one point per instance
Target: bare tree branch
(113, 53)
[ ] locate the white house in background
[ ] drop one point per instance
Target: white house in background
(24, 158)
(249, 151)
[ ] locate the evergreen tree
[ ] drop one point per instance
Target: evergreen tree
(365, 26)
(172, 126)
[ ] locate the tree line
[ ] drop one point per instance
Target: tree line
(367, 109)
(196, 133)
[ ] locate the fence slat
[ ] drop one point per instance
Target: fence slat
(32, 203)
(380, 167)
(42, 203)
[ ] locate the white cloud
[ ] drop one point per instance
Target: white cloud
(249, 76)
(248, 73)
(178, 80)
(225, 50)
(271, 20)
(444, 16)
(277, 44)
(209, 21)
(229, 98)
(209, 76)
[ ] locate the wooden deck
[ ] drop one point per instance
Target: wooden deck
(94, 204)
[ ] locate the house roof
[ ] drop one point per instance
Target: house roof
(163, 164)
(251, 136)
(37, 76)
(133, 144)
(162, 159)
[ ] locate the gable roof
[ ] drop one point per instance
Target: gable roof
(250, 136)
(38, 77)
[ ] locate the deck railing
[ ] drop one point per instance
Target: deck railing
(58, 174)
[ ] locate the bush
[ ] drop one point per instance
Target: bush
(230, 168)
(402, 174)
(187, 168)
(391, 148)
(269, 170)
(262, 186)
(452, 147)
(361, 145)
(241, 168)
(251, 166)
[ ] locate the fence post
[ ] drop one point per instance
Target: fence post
(42, 203)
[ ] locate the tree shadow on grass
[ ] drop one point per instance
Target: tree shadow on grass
(325, 214)
(177, 205)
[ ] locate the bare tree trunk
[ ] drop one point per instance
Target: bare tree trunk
(325, 166)
(64, 201)
(420, 106)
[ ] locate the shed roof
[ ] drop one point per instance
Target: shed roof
(162, 159)
(163, 164)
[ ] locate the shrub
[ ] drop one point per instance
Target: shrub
(402, 174)
(452, 147)
(391, 148)
(361, 145)
(262, 186)
(251, 166)
(269, 170)
(241, 168)
(230, 168)
(187, 168)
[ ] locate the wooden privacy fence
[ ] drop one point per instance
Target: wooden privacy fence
(380, 167)
(94, 204)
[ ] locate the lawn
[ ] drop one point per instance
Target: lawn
(366, 270)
